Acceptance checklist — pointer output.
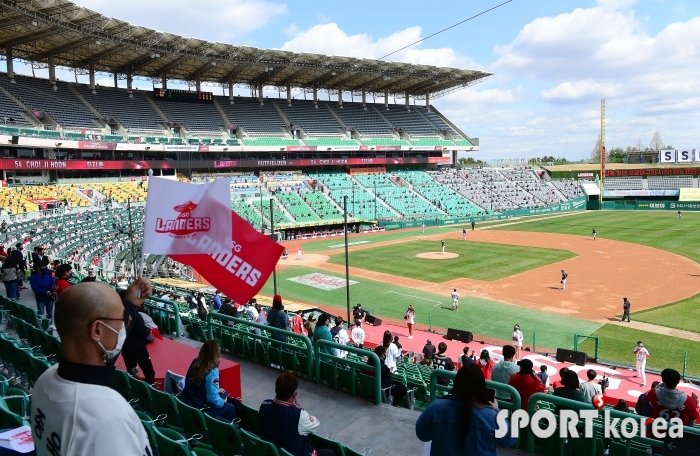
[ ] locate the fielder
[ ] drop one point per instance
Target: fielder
(443, 246)
(300, 254)
(642, 354)
(564, 276)
(679, 214)
(455, 300)
(422, 227)
(464, 234)
(594, 234)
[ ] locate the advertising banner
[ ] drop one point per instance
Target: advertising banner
(689, 194)
(667, 156)
(89, 145)
(667, 206)
(685, 156)
(301, 148)
(180, 148)
(621, 193)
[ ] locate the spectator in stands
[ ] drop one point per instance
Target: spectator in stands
(465, 358)
(63, 273)
(463, 422)
(393, 354)
(21, 265)
(428, 352)
(297, 323)
(191, 300)
(543, 375)
(398, 390)
(590, 388)
(643, 407)
(69, 395)
(42, 283)
(94, 279)
(667, 401)
(526, 382)
(9, 277)
(285, 423)
(202, 384)
(38, 257)
(202, 310)
(310, 324)
(570, 388)
(202, 300)
(323, 332)
(557, 383)
(340, 336)
(216, 301)
(277, 318)
(442, 361)
(135, 352)
(358, 334)
(228, 309)
(3, 254)
(486, 363)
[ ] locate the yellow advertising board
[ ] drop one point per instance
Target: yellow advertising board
(689, 194)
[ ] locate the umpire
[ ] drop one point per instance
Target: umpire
(625, 310)
(134, 351)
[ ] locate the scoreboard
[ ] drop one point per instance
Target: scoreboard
(183, 96)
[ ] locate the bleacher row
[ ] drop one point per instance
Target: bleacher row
(653, 183)
(82, 114)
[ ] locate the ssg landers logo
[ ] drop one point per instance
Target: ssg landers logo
(184, 226)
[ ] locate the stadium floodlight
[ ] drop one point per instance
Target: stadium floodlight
(98, 42)
(35, 23)
(213, 63)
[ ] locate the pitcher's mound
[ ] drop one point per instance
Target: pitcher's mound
(437, 255)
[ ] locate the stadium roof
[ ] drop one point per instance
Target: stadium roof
(77, 36)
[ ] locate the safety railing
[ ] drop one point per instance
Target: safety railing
(162, 316)
(214, 322)
(322, 357)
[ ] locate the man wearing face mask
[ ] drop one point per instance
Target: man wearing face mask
(74, 409)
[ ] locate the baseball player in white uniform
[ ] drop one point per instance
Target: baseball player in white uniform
(422, 227)
(564, 276)
(464, 234)
(300, 254)
(455, 299)
(443, 246)
(642, 354)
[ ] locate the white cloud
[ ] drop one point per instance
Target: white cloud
(206, 19)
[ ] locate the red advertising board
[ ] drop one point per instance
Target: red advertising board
(23, 164)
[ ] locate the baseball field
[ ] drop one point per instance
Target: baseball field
(509, 272)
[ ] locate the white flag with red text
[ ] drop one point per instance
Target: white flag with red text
(186, 219)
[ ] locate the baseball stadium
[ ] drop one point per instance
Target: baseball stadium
(384, 232)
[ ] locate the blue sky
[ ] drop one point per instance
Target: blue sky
(552, 60)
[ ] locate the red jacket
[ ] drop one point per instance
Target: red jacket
(527, 385)
(486, 368)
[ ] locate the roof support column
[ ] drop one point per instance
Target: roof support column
(340, 98)
(315, 97)
(230, 90)
(52, 72)
(408, 102)
(386, 98)
(427, 101)
(164, 80)
(289, 94)
(260, 93)
(129, 82)
(364, 99)
(198, 84)
(10, 67)
(91, 70)
(116, 80)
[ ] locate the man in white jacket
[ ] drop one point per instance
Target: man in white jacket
(74, 409)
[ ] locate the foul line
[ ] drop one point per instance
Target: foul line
(415, 297)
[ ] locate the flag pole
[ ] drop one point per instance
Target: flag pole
(131, 230)
(272, 236)
(347, 264)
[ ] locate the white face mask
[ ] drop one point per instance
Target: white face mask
(121, 337)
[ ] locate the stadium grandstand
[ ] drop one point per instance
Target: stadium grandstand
(76, 161)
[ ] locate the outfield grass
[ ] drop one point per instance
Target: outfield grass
(482, 317)
(618, 342)
(662, 230)
(477, 260)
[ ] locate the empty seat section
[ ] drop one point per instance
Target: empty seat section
(410, 121)
(10, 112)
(667, 183)
(360, 202)
(322, 205)
(246, 212)
(330, 142)
(266, 141)
(435, 141)
(296, 206)
(568, 187)
(314, 122)
(134, 113)
(62, 105)
(440, 195)
(368, 122)
(255, 119)
(199, 118)
(623, 183)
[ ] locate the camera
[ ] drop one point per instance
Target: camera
(604, 383)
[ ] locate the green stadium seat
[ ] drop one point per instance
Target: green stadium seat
(255, 446)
